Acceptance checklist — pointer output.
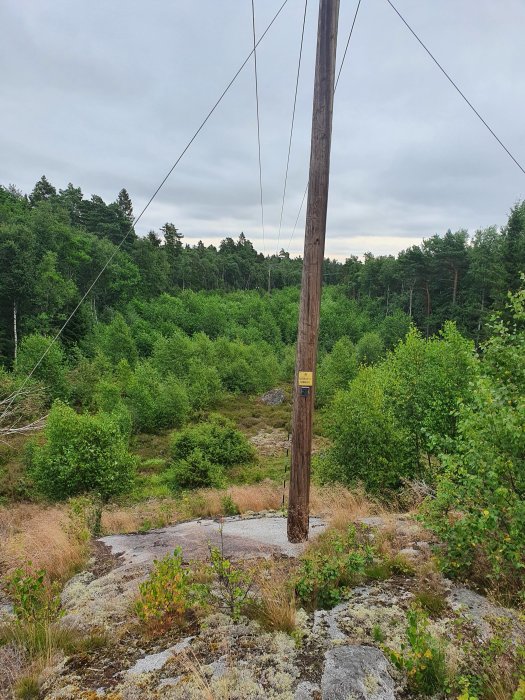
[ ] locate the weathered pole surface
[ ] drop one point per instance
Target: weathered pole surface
(306, 357)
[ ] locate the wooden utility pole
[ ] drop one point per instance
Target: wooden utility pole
(306, 357)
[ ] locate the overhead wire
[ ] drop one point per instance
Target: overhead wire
(143, 211)
(258, 126)
(455, 85)
(335, 88)
(292, 125)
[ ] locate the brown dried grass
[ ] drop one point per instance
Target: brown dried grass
(338, 504)
(342, 506)
(150, 514)
(276, 609)
(42, 535)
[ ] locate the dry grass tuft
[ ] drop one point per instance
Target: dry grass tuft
(342, 506)
(150, 514)
(276, 609)
(256, 497)
(12, 663)
(44, 536)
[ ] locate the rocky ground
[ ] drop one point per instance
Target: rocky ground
(335, 655)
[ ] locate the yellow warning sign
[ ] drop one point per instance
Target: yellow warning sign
(306, 378)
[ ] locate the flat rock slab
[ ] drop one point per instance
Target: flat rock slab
(154, 662)
(357, 672)
(484, 615)
(243, 539)
(105, 602)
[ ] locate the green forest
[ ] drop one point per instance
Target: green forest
(150, 392)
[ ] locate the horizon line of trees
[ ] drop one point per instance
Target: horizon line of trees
(53, 243)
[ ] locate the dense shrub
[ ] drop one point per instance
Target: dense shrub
(218, 440)
(369, 349)
(117, 342)
(81, 453)
(369, 444)
(51, 370)
(479, 510)
(336, 370)
(156, 403)
(195, 471)
(203, 385)
(426, 378)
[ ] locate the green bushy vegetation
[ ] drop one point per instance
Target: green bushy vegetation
(397, 411)
(335, 563)
(172, 330)
(81, 453)
(422, 657)
(479, 509)
(201, 453)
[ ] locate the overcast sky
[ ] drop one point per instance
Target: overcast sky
(106, 94)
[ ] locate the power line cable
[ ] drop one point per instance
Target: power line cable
(347, 44)
(258, 125)
(292, 125)
(138, 218)
(451, 81)
(335, 88)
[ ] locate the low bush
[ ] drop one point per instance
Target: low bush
(218, 439)
(194, 471)
(81, 454)
(332, 565)
(33, 598)
(165, 595)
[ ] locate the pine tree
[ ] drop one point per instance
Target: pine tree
(42, 191)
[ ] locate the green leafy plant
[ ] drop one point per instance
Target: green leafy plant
(81, 454)
(218, 439)
(331, 567)
(34, 599)
(165, 595)
(194, 471)
(479, 509)
(422, 656)
(229, 507)
(233, 584)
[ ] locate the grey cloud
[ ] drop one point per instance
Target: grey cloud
(106, 95)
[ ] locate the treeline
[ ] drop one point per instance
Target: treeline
(53, 243)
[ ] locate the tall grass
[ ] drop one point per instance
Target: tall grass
(46, 536)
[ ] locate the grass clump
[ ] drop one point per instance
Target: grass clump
(27, 688)
(431, 602)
